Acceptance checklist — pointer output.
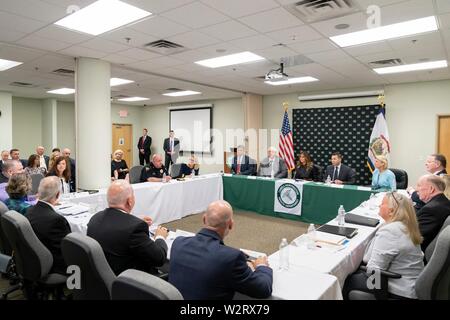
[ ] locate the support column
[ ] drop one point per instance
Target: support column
(6, 120)
(93, 123)
(49, 124)
(253, 123)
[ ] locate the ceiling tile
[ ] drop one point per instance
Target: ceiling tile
(228, 30)
(49, 63)
(18, 23)
(191, 55)
(297, 34)
(136, 38)
(426, 44)
(443, 6)
(404, 11)
(217, 49)
(356, 22)
(104, 45)
(17, 53)
(43, 43)
(253, 43)
(138, 54)
(366, 49)
(271, 20)
(38, 10)
(159, 27)
(444, 21)
(118, 59)
(193, 39)
(239, 8)
(78, 51)
(381, 3)
(195, 15)
(158, 6)
(61, 34)
(276, 52)
(313, 46)
(332, 55)
(7, 35)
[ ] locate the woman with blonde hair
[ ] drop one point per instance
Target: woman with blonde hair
(18, 187)
(394, 248)
(55, 154)
(119, 168)
(383, 178)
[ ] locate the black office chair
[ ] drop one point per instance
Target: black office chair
(35, 181)
(137, 285)
(401, 177)
(33, 260)
(430, 249)
(320, 172)
(135, 174)
(96, 274)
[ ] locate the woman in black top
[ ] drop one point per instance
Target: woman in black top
(306, 170)
(119, 168)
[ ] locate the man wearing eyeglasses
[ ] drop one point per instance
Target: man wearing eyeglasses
(431, 216)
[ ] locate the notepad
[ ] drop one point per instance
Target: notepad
(341, 231)
(329, 238)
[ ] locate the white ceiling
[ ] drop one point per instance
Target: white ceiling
(211, 28)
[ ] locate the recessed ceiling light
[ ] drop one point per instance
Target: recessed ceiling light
(117, 81)
(102, 16)
(229, 60)
(391, 31)
(132, 99)
(181, 93)
(8, 64)
(413, 67)
(291, 81)
(62, 91)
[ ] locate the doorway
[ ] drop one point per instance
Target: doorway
(122, 138)
(443, 146)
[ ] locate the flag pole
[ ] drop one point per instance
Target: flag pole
(286, 106)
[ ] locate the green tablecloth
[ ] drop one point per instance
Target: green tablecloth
(319, 205)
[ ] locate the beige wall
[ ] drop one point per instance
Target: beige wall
(227, 114)
(27, 125)
(411, 114)
(66, 127)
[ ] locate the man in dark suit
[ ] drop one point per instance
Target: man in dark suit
(15, 155)
(432, 215)
(66, 153)
(203, 267)
(43, 159)
(124, 237)
(339, 173)
(435, 164)
(171, 149)
(49, 226)
(144, 144)
(243, 164)
(5, 157)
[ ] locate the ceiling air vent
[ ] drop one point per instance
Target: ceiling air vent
(387, 63)
(173, 89)
(120, 96)
(64, 72)
(164, 47)
(319, 10)
(22, 84)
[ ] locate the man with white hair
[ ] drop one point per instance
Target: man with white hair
(49, 226)
(272, 166)
(4, 158)
(203, 267)
(124, 237)
(431, 217)
(43, 159)
(9, 168)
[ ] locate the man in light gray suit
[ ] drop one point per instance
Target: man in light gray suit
(272, 166)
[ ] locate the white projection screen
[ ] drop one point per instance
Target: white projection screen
(192, 125)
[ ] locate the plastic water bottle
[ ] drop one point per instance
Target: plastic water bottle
(163, 177)
(341, 216)
(328, 181)
(284, 254)
(311, 236)
(272, 176)
(192, 173)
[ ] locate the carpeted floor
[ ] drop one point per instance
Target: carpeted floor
(251, 231)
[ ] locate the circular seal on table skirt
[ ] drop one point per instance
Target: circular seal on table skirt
(288, 195)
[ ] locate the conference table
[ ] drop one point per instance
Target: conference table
(320, 202)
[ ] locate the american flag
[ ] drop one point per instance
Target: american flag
(286, 145)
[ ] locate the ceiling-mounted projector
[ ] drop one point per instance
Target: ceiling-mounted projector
(277, 74)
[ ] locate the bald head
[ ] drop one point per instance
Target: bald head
(120, 195)
(219, 217)
(429, 186)
(66, 152)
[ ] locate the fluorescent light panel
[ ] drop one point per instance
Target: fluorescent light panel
(62, 91)
(133, 99)
(230, 60)
(8, 64)
(102, 16)
(181, 93)
(392, 31)
(117, 81)
(413, 67)
(291, 81)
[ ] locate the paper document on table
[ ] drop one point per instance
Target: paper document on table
(253, 254)
(364, 188)
(182, 233)
(73, 210)
(329, 238)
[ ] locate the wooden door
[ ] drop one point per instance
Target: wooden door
(122, 138)
(444, 137)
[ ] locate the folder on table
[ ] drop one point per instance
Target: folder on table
(361, 220)
(341, 231)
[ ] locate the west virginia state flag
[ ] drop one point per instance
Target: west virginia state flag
(379, 144)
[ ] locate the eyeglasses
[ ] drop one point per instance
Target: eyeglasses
(392, 193)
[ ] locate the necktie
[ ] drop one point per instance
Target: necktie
(335, 173)
(238, 168)
(171, 145)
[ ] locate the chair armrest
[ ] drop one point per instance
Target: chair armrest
(384, 273)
